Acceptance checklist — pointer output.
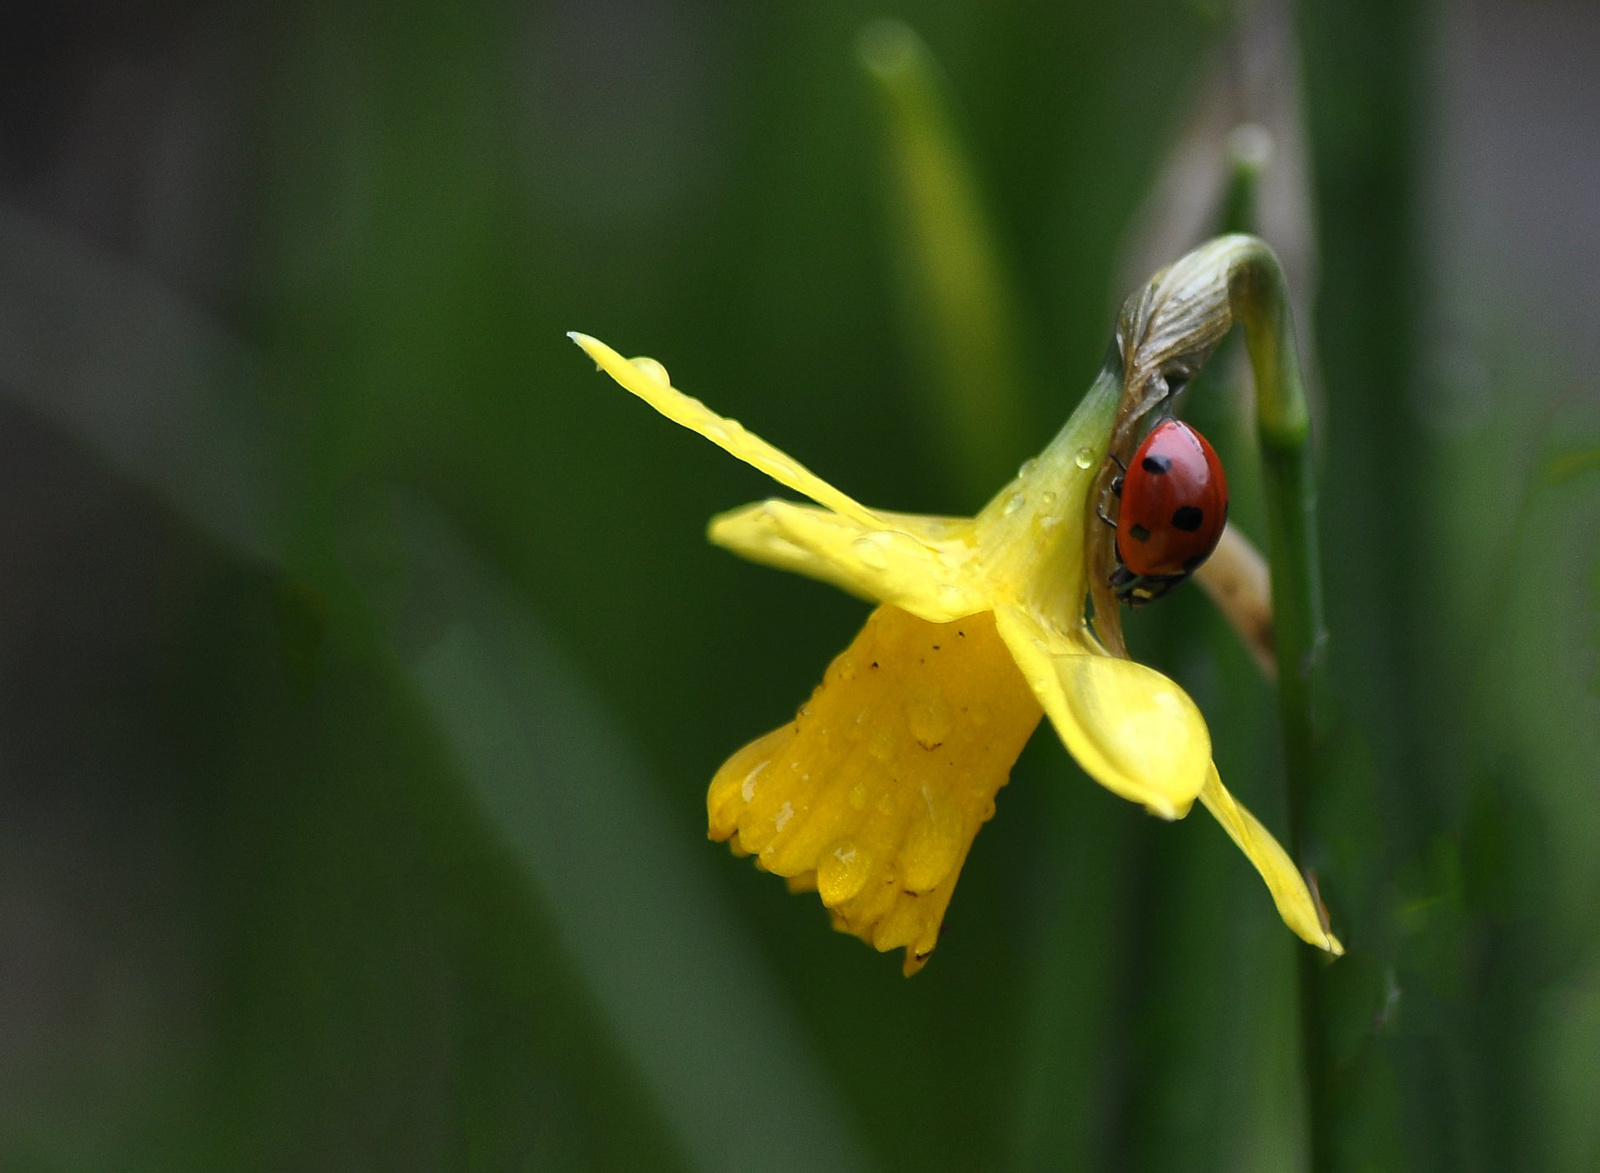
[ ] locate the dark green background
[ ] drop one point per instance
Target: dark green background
(364, 662)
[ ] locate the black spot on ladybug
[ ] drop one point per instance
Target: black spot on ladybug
(1187, 518)
(1138, 533)
(1155, 464)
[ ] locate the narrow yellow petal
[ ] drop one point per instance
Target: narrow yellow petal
(1131, 729)
(648, 379)
(915, 565)
(873, 794)
(1299, 910)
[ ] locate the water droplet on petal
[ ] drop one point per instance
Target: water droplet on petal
(1047, 498)
(934, 845)
(1013, 503)
(781, 819)
(1083, 457)
(1027, 467)
(748, 790)
(929, 720)
(652, 370)
(872, 549)
(842, 871)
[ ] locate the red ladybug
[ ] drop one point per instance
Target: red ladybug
(1174, 505)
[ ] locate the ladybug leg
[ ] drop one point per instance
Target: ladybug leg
(1138, 589)
(1129, 588)
(1149, 589)
(1116, 491)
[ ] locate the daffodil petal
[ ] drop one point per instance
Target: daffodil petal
(648, 379)
(1296, 905)
(899, 566)
(872, 795)
(1131, 729)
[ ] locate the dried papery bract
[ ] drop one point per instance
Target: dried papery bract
(1165, 334)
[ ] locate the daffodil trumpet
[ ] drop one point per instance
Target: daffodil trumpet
(872, 795)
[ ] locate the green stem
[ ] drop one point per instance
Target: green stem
(1260, 299)
(1165, 334)
(1283, 422)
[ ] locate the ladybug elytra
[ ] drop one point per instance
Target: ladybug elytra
(1174, 506)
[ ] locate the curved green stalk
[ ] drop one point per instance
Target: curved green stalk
(1166, 333)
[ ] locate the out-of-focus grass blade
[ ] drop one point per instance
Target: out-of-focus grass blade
(958, 300)
(1565, 467)
(117, 360)
(168, 397)
(687, 999)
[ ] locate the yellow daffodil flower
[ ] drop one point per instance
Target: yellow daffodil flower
(873, 794)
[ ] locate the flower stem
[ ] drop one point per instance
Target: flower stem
(1165, 335)
(1260, 300)
(1283, 425)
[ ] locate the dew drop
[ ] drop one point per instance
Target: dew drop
(1047, 498)
(1027, 467)
(934, 845)
(883, 743)
(872, 550)
(929, 721)
(781, 819)
(1013, 503)
(652, 370)
(842, 871)
(1083, 457)
(748, 790)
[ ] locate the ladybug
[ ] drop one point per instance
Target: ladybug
(1174, 505)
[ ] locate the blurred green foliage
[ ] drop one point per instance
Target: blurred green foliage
(415, 718)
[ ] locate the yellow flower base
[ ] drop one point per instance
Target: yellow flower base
(873, 793)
